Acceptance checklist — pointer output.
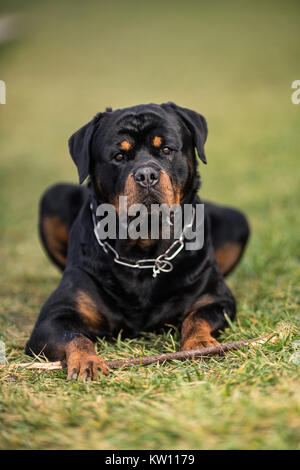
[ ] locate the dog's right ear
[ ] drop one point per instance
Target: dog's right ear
(79, 147)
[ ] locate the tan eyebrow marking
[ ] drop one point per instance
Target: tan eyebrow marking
(125, 145)
(157, 141)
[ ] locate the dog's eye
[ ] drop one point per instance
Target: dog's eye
(119, 157)
(166, 151)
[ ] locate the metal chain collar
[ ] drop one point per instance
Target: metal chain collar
(160, 264)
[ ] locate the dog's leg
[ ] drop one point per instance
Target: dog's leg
(230, 232)
(196, 333)
(59, 207)
(57, 341)
(68, 322)
(82, 360)
(205, 321)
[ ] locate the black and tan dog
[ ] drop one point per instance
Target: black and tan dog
(147, 153)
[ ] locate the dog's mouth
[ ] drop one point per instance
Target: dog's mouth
(151, 196)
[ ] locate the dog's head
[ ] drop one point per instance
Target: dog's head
(145, 152)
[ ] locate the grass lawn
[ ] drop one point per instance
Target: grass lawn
(234, 62)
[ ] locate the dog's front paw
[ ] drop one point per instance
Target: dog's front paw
(85, 366)
(82, 361)
(195, 343)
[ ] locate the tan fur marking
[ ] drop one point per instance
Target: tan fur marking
(196, 333)
(167, 190)
(78, 346)
(131, 191)
(205, 300)
(56, 235)
(88, 310)
(177, 195)
(227, 255)
(157, 141)
(125, 145)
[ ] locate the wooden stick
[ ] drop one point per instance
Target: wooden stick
(146, 360)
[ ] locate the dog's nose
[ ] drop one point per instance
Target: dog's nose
(146, 176)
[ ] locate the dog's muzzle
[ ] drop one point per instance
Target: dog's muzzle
(147, 176)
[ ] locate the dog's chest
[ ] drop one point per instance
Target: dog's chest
(149, 304)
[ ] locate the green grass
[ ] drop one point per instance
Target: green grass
(234, 62)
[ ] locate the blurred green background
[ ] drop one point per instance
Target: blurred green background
(232, 61)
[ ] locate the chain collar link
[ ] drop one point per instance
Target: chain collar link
(160, 264)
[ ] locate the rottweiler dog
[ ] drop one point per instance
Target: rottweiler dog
(147, 153)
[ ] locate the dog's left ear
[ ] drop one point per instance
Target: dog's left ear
(79, 147)
(196, 124)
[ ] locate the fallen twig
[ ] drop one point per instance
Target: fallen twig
(147, 360)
